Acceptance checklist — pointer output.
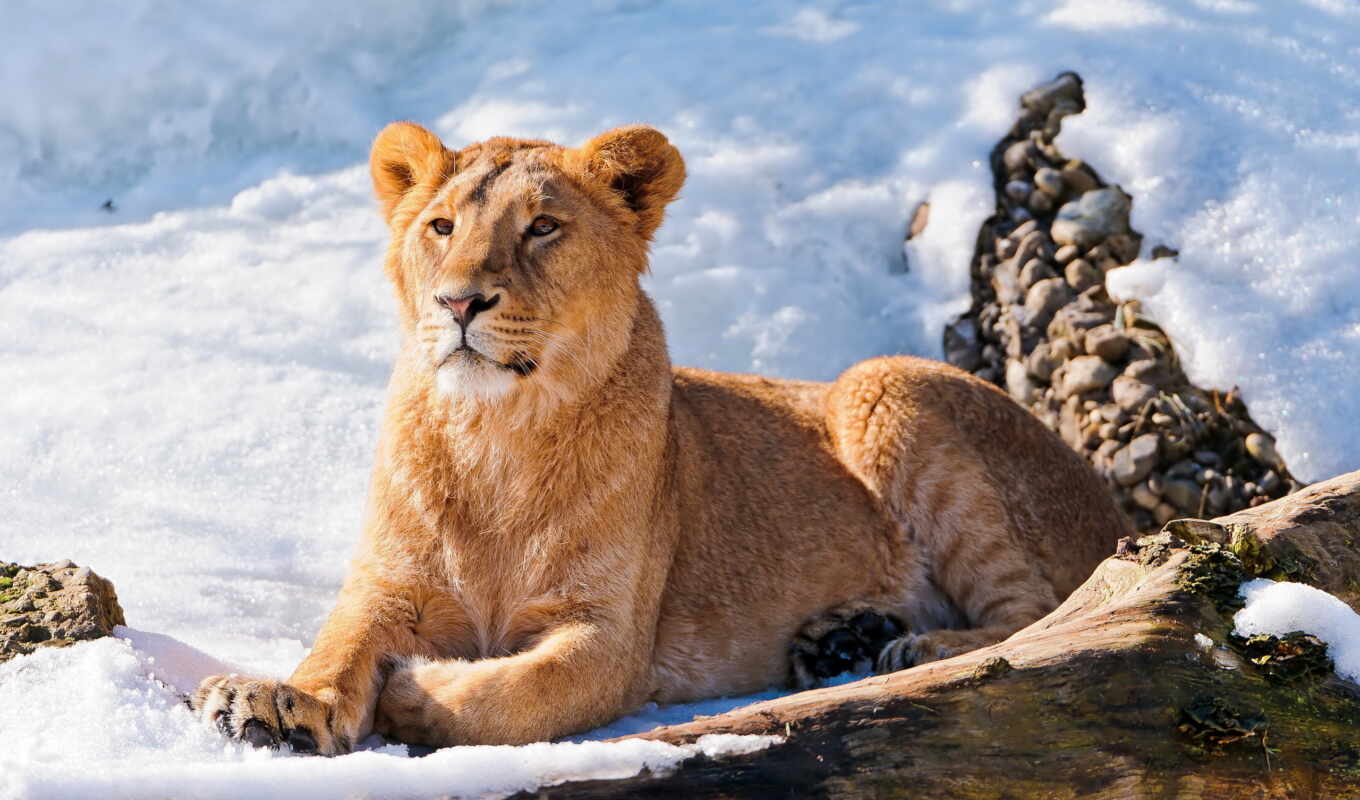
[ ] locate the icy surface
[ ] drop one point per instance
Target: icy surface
(1279, 608)
(191, 382)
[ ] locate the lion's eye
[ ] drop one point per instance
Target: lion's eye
(542, 226)
(442, 226)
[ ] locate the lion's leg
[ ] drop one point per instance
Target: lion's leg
(893, 424)
(578, 677)
(327, 704)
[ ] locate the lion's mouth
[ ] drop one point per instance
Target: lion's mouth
(520, 364)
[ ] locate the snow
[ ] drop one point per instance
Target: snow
(137, 739)
(1278, 608)
(192, 381)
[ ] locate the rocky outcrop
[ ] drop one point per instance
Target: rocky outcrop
(53, 605)
(1097, 371)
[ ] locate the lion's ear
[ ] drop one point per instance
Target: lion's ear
(404, 155)
(640, 165)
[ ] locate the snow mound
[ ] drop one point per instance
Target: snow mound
(102, 723)
(1279, 608)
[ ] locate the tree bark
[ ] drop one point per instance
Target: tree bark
(1111, 695)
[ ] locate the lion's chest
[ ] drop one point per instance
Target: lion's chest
(487, 608)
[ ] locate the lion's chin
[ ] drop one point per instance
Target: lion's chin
(475, 377)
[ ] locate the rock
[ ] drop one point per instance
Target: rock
(1018, 382)
(1054, 100)
(1018, 190)
(1130, 393)
(1088, 220)
(1134, 461)
(1183, 494)
(1220, 496)
(1107, 342)
(1262, 448)
(1024, 229)
(1111, 412)
(1040, 203)
(1049, 181)
(961, 344)
(1124, 246)
(1078, 177)
(1065, 254)
(1269, 482)
(1207, 457)
(1019, 155)
(1041, 362)
(1145, 497)
(1085, 374)
(1150, 371)
(1072, 318)
(1163, 420)
(1108, 430)
(53, 605)
(1164, 513)
(1043, 299)
(1006, 282)
(1080, 274)
(1034, 244)
(1064, 349)
(1005, 247)
(1035, 270)
(1066, 88)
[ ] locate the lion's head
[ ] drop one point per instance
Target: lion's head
(516, 262)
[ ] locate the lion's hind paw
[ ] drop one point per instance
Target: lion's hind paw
(843, 639)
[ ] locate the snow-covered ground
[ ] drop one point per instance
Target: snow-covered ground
(191, 381)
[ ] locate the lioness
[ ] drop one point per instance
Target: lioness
(562, 527)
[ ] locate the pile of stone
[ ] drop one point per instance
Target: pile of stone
(53, 605)
(1097, 371)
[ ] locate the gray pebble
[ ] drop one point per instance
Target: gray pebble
(1207, 457)
(1018, 191)
(1130, 393)
(1040, 203)
(1018, 156)
(1107, 342)
(1044, 299)
(1183, 494)
(1144, 496)
(1262, 448)
(1084, 374)
(1081, 274)
(1018, 382)
(1035, 270)
(1135, 460)
(1049, 181)
(1097, 214)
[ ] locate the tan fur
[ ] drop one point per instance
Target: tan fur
(544, 552)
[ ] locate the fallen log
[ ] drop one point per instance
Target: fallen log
(1118, 693)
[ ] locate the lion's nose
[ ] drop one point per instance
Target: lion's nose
(465, 307)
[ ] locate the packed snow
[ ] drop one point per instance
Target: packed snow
(1279, 608)
(193, 371)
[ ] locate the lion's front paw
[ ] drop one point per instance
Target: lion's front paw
(267, 713)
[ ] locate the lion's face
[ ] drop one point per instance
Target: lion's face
(516, 262)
